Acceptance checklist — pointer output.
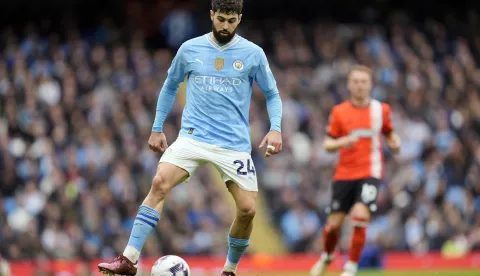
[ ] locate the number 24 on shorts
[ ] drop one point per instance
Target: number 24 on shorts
(240, 169)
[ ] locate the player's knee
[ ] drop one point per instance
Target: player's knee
(335, 222)
(333, 226)
(246, 213)
(160, 187)
(360, 212)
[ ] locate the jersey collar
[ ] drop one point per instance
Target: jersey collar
(360, 107)
(224, 47)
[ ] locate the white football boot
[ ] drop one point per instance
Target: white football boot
(321, 265)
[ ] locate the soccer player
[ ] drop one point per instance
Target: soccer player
(355, 129)
(221, 67)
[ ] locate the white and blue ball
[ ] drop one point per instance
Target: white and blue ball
(171, 266)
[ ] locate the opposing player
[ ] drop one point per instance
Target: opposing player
(221, 67)
(355, 129)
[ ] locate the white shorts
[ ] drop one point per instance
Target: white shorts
(190, 154)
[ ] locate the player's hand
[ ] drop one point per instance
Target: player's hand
(157, 142)
(273, 140)
(349, 141)
(393, 142)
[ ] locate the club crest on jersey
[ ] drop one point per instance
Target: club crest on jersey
(219, 63)
(238, 65)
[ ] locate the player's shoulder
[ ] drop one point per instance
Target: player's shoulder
(194, 45)
(342, 107)
(250, 46)
(385, 107)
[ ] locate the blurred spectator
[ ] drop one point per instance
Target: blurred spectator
(299, 225)
(179, 26)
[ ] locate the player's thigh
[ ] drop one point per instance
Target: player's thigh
(169, 175)
(366, 198)
(236, 167)
(335, 220)
(179, 162)
(244, 200)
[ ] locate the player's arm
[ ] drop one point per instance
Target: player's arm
(332, 145)
(393, 142)
(168, 93)
(266, 82)
(166, 99)
(335, 138)
(392, 139)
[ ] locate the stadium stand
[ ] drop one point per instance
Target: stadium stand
(76, 111)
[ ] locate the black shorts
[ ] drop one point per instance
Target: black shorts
(346, 193)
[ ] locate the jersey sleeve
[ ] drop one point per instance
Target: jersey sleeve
(387, 126)
(263, 75)
(166, 99)
(268, 85)
(178, 68)
(334, 128)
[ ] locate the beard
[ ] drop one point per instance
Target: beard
(223, 37)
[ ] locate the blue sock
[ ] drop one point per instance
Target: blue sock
(236, 248)
(145, 221)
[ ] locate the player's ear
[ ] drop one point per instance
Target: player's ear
(240, 18)
(212, 15)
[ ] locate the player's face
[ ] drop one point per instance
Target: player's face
(224, 25)
(360, 84)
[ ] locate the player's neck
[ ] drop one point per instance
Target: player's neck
(218, 43)
(360, 103)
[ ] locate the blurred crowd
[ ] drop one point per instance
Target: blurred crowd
(76, 113)
(430, 75)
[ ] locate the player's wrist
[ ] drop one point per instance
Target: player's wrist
(276, 127)
(157, 129)
(343, 142)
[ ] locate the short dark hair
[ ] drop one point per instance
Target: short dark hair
(227, 6)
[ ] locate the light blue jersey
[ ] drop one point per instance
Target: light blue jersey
(219, 91)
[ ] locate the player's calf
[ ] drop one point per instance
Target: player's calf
(360, 217)
(148, 214)
(331, 232)
(168, 175)
(242, 226)
(330, 237)
(246, 209)
(239, 237)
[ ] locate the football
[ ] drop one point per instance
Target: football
(170, 266)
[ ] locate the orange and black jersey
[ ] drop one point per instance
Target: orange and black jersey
(369, 123)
